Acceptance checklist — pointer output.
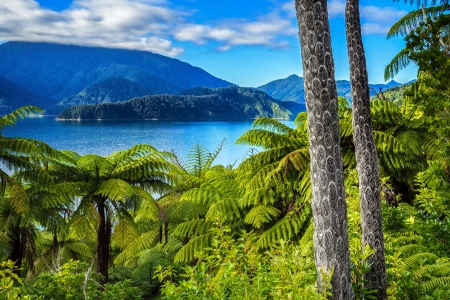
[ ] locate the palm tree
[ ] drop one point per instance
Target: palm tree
(366, 152)
(331, 250)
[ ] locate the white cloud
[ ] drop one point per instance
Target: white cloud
(388, 15)
(336, 8)
(374, 19)
(139, 25)
(269, 30)
(148, 25)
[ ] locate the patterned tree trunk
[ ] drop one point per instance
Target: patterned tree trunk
(328, 204)
(366, 153)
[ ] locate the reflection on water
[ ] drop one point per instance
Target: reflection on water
(106, 136)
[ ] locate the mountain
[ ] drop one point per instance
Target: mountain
(109, 90)
(193, 104)
(64, 73)
(292, 88)
(13, 96)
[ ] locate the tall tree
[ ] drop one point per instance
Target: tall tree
(331, 252)
(366, 152)
(107, 191)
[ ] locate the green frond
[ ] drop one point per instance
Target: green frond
(148, 211)
(419, 258)
(285, 229)
(346, 127)
(79, 247)
(148, 261)
(411, 140)
(116, 189)
(173, 244)
(260, 215)
(439, 268)
(187, 252)
(124, 157)
(22, 112)
(385, 113)
(151, 168)
(435, 283)
(125, 232)
(301, 121)
(205, 196)
(224, 210)
(306, 242)
(263, 138)
(95, 165)
(298, 158)
(411, 20)
(256, 197)
(271, 125)
(19, 199)
(130, 254)
(398, 63)
(192, 228)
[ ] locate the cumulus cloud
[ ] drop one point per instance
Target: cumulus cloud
(150, 25)
(268, 31)
(374, 19)
(123, 24)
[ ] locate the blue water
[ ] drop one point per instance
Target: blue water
(105, 137)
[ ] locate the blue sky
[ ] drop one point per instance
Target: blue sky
(247, 42)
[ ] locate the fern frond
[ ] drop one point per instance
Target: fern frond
(398, 63)
(22, 112)
(271, 125)
(145, 241)
(411, 20)
(256, 197)
(192, 228)
(435, 283)
(187, 252)
(285, 229)
(225, 210)
(260, 215)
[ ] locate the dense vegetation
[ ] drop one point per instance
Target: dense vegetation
(194, 104)
(141, 223)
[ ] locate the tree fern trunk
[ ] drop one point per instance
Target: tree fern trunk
(103, 241)
(366, 153)
(16, 253)
(329, 208)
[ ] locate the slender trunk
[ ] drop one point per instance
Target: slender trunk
(366, 153)
(16, 254)
(103, 241)
(331, 252)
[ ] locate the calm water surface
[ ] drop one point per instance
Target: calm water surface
(104, 137)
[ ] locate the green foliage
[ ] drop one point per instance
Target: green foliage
(77, 280)
(9, 281)
(232, 269)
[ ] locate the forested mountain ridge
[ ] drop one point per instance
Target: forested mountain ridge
(292, 88)
(56, 72)
(194, 104)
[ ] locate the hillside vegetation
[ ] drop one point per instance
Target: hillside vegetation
(194, 104)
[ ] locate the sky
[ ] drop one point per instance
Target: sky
(246, 42)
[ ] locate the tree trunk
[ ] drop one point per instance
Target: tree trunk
(366, 153)
(331, 252)
(103, 241)
(16, 255)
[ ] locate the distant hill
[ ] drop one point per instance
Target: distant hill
(64, 73)
(109, 90)
(13, 96)
(193, 104)
(292, 88)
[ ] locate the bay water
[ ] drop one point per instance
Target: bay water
(106, 136)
